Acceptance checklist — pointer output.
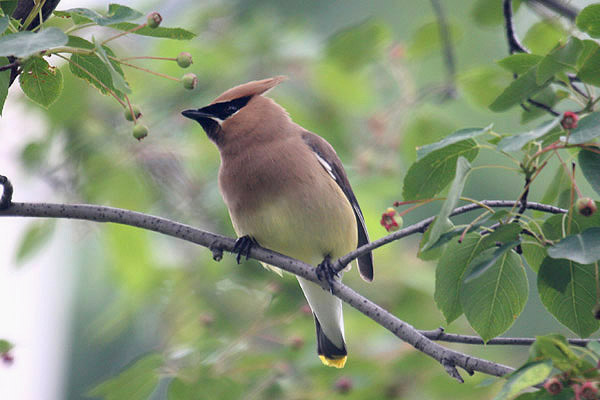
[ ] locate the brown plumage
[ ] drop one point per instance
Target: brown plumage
(286, 190)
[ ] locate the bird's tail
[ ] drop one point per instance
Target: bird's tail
(329, 322)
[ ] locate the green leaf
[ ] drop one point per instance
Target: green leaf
(589, 162)
(36, 235)
(450, 272)
(588, 128)
(516, 142)
(358, 45)
(137, 382)
(482, 85)
(566, 394)
(3, 24)
(5, 346)
(160, 32)
(426, 39)
(41, 82)
(589, 63)
(23, 44)
(528, 375)
(495, 298)
(505, 233)
(519, 90)
(487, 259)
(520, 63)
(442, 223)
(4, 83)
(455, 137)
(428, 176)
(544, 36)
(554, 347)
(83, 63)
(533, 252)
(595, 347)
(558, 60)
(206, 387)
(116, 13)
(583, 248)
(116, 76)
(568, 291)
(588, 20)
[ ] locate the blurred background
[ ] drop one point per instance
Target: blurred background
(83, 301)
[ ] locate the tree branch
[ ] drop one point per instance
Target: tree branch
(440, 335)
(558, 7)
(446, 39)
(514, 45)
(450, 359)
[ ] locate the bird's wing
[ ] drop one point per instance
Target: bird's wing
(331, 163)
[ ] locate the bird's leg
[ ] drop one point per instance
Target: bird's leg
(325, 272)
(242, 247)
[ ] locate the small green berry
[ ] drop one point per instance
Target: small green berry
(190, 81)
(184, 59)
(140, 131)
(153, 20)
(136, 111)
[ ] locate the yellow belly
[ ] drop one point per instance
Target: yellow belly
(303, 225)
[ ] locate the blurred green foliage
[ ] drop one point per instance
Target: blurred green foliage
(368, 79)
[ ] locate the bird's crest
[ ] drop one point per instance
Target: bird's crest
(253, 88)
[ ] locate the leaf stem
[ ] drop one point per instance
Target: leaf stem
(137, 28)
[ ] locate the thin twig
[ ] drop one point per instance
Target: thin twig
(422, 226)
(558, 7)
(514, 45)
(13, 64)
(543, 107)
(446, 39)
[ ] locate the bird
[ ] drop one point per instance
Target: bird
(286, 190)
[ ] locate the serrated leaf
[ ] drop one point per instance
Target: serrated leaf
(83, 63)
(442, 223)
(41, 82)
(568, 291)
(487, 259)
(589, 162)
(426, 39)
(520, 63)
(24, 44)
(116, 13)
(493, 300)
(160, 32)
(4, 83)
(588, 128)
(589, 63)
(528, 375)
(519, 90)
(116, 76)
(455, 137)
(543, 36)
(516, 142)
(588, 20)
(136, 382)
(36, 235)
(3, 24)
(558, 60)
(450, 272)
(428, 176)
(583, 248)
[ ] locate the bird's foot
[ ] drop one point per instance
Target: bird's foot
(242, 247)
(326, 273)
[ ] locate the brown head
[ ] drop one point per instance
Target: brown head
(239, 110)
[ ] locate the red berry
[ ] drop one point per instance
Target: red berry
(586, 206)
(569, 120)
(553, 386)
(587, 391)
(390, 220)
(153, 20)
(305, 309)
(296, 342)
(7, 358)
(343, 385)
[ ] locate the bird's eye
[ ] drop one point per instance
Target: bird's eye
(231, 109)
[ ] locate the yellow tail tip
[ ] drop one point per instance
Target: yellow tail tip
(334, 362)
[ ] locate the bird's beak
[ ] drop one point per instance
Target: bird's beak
(196, 115)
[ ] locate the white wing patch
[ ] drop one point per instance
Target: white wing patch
(326, 165)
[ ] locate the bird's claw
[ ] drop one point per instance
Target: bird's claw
(326, 273)
(242, 247)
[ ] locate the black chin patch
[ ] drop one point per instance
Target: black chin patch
(211, 127)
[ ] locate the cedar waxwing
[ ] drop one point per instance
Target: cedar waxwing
(286, 189)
